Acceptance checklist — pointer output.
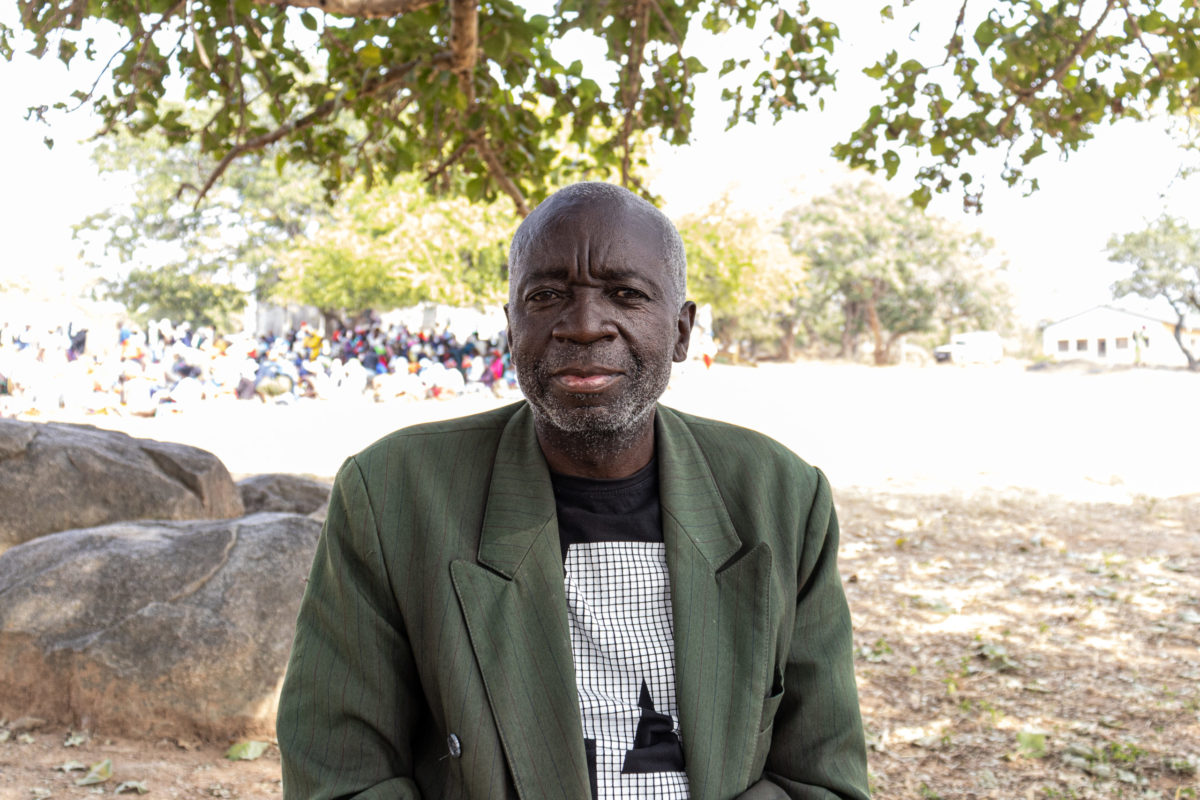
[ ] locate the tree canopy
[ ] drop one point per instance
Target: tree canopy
(399, 247)
(877, 263)
(473, 88)
(1166, 261)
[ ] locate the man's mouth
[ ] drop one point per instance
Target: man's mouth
(585, 380)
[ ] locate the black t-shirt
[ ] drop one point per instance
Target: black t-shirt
(608, 510)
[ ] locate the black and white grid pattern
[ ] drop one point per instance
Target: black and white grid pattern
(619, 612)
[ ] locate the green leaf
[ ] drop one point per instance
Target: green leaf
(246, 751)
(370, 56)
(1031, 744)
(308, 20)
(985, 34)
(99, 773)
(887, 13)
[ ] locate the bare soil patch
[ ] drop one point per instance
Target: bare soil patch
(977, 620)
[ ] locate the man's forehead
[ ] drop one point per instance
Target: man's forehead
(602, 226)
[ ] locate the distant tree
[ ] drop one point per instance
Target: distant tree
(735, 264)
(173, 256)
(891, 269)
(384, 87)
(171, 292)
(1166, 261)
(398, 246)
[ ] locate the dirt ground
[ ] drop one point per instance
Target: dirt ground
(1021, 553)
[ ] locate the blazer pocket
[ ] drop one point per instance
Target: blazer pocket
(770, 706)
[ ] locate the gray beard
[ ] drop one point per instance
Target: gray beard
(593, 430)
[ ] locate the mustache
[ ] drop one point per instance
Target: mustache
(605, 355)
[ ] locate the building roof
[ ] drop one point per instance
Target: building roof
(1190, 323)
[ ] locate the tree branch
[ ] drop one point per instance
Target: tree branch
(499, 175)
(448, 161)
(395, 76)
(464, 36)
(640, 18)
(364, 9)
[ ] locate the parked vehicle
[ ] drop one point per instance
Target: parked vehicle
(973, 347)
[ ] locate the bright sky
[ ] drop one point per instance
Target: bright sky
(1054, 240)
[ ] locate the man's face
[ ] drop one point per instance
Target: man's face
(594, 322)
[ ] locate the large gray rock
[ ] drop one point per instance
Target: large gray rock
(154, 628)
(283, 492)
(55, 476)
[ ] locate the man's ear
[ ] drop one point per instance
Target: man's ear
(508, 330)
(683, 328)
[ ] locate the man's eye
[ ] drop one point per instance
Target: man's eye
(542, 296)
(625, 293)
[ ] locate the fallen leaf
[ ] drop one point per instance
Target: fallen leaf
(246, 751)
(99, 773)
(25, 738)
(75, 739)
(4, 734)
(40, 793)
(131, 786)
(71, 766)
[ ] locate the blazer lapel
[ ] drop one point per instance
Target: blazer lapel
(515, 608)
(720, 602)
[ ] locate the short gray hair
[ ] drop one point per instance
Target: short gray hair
(607, 193)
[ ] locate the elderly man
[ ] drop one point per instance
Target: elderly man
(582, 595)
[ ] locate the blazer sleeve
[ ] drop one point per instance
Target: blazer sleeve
(818, 750)
(350, 700)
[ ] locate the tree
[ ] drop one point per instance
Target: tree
(383, 87)
(170, 291)
(739, 267)
(1166, 261)
(177, 257)
(398, 246)
(890, 268)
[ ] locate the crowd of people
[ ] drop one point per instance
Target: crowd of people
(140, 370)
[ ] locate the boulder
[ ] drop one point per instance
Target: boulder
(282, 492)
(176, 629)
(55, 477)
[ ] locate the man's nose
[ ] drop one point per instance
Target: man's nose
(584, 320)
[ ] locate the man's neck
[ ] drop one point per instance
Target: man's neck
(596, 454)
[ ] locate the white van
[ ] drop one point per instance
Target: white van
(973, 347)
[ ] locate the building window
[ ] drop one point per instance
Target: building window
(1063, 346)
(1081, 345)
(1122, 342)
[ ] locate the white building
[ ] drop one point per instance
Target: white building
(1109, 335)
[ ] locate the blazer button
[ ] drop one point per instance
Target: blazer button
(455, 746)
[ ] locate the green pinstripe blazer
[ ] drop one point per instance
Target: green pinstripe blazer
(436, 606)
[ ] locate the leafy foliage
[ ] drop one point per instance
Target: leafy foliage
(205, 259)
(1166, 261)
(744, 272)
(157, 292)
(881, 264)
(382, 87)
(397, 247)
(1030, 77)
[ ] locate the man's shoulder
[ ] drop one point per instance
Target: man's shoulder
(432, 436)
(729, 444)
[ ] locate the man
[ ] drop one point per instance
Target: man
(583, 595)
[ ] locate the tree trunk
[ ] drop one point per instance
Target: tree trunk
(876, 331)
(789, 339)
(851, 316)
(1193, 361)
